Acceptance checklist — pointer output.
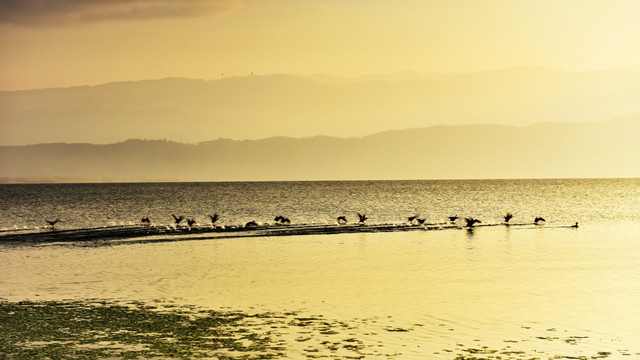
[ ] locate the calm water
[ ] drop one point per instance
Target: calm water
(610, 201)
(547, 291)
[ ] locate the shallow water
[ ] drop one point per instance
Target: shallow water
(543, 290)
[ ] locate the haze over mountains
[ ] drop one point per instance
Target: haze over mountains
(256, 107)
(544, 150)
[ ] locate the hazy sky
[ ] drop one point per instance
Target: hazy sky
(47, 43)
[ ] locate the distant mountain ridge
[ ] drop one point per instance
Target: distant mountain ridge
(254, 107)
(544, 150)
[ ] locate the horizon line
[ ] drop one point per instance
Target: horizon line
(340, 77)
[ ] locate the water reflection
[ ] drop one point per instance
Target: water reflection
(580, 283)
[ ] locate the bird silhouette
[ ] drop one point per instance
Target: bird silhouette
(453, 218)
(411, 218)
(191, 222)
(507, 217)
(575, 225)
(145, 220)
(421, 221)
(362, 218)
(471, 221)
(52, 223)
(251, 224)
(341, 220)
(177, 219)
(537, 220)
(281, 220)
(213, 218)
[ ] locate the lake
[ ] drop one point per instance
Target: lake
(522, 291)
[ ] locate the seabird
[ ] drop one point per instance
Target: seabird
(362, 217)
(191, 222)
(421, 221)
(471, 221)
(281, 220)
(411, 218)
(575, 225)
(177, 219)
(52, 223)
(145, 220)
(213, 218)
(251, 224)
(507, 217)
(341, 219)
(453, 218)
(537, 220)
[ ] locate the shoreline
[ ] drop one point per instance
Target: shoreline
(155, 233)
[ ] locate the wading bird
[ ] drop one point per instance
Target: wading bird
(177, 219)
(471, 221)
(507, 217)
(362, 217)
(191, 222)
(538, 220)
(341, 220)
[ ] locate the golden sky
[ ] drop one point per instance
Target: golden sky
(75, 42)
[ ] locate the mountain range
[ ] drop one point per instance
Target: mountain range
(543, 150)
(257, 107)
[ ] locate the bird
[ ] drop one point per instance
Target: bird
(471, 221)
(52, 223)
(537, 220)
(421, 221)
(507, 217)
(281, 220)
(341, 220)
(177, 219)
(453, 218)
(251, 224)
(362, 217)
(213, 218)
(191, 222)
(145, 220)
(411, 218)
(575, 225)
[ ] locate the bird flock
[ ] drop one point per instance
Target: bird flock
(280, 220)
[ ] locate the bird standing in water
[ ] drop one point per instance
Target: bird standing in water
(251, 224)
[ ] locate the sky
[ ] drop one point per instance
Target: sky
(61, 43)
